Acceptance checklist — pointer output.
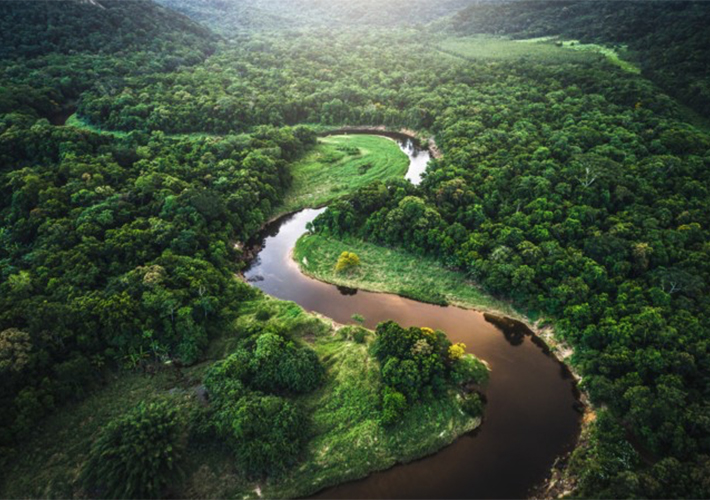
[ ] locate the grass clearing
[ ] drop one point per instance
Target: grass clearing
(612, 55)
(339, 165)
(504, 49)
(393, 271)
(546, 49)
(346, 439)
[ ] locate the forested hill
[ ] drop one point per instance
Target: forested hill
(229, 17)
(33, 28)
(51, 51)
(669, 39)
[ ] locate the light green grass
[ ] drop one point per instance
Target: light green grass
(545, 49)
(331, 170)
(392, 271)
(346, 441)
(611, 54)
(486, 47)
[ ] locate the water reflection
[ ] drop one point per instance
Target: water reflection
(530, 417)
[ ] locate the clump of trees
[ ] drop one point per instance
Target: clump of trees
(136, 455)
(417, 364)
(251, 408)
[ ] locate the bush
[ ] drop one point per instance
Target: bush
(347, 261)
(136, 455)
(394, 405)
(224, 380)
(360, 335)
(473, 404)
(266, 433)
(469, 369)
(279, 365)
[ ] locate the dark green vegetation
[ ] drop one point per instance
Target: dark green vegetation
(339, 165)
(418, 363)
(668, 39)
(568, 185)
(136, 455)
(234, 438)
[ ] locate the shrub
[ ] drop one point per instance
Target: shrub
(473, 404)
(394, 405)
(469, 369)
(358, 318)
(347, 261)
(263, 315)
(457, 351)
(224, 379)
(266, 433)
(279, 365)
(360, 335)
(136, 455)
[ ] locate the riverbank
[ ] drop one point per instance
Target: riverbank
(398, 272)
(346, 440)
(389, 270)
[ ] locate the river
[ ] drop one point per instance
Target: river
(530, 417)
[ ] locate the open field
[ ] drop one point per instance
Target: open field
(545, 49)
(393, 271)
(339, 165)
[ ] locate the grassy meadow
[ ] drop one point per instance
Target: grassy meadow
(392, 271)
(544, 49)
(339, 165)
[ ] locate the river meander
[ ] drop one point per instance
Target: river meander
(530, 418)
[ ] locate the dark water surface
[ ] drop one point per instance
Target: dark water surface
(530, 418)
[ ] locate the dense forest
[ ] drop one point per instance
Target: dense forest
(668, 39)
(569, 186)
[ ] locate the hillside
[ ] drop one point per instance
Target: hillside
(668, 38)
(230, 17)
(33, 28)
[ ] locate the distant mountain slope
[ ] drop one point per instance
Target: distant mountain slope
(671, 39)
(31, 28)
(234, 16)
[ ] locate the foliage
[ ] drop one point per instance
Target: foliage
(278, 365)
(457, 351)
(136, 455)
(415, 364)
(394, 405)
(668, 38)
(571, 187)
(265, 432)
(346, 262)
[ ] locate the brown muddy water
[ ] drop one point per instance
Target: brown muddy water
(531, 416)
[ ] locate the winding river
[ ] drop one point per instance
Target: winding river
(531, 415)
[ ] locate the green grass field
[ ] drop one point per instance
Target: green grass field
(393, 271)
(503, 49)
(346, 440)
(339, 165)
(545, 49)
